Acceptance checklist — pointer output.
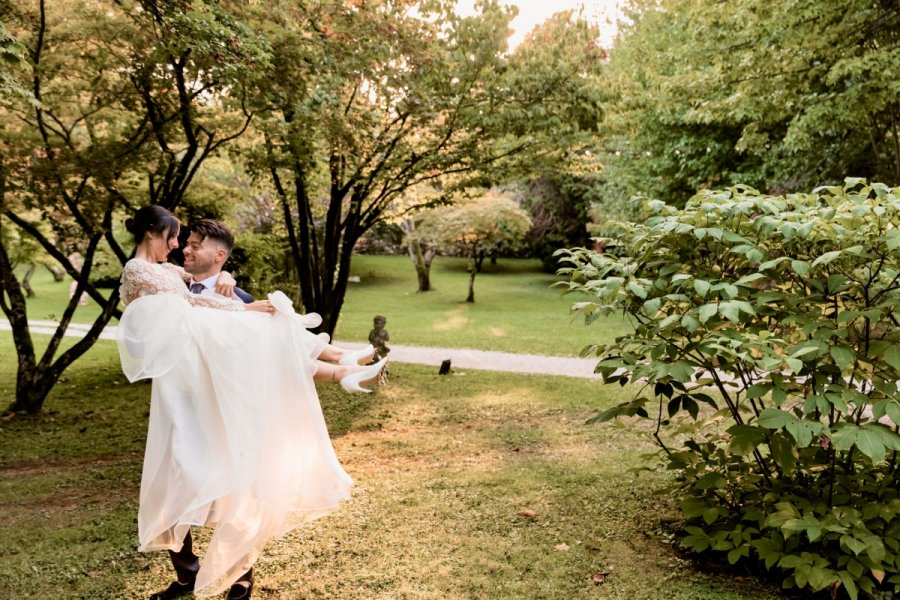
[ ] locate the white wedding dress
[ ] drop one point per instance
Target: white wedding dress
(236, 438)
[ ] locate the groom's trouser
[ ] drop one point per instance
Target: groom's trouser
(187, 564)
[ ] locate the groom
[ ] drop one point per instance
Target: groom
(208, 247)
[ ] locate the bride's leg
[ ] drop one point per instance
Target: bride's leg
(332, 353)
(329, 372)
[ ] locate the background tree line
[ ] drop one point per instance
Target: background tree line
(308, 124)
(300, 122)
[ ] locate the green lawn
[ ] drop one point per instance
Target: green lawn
(443, 466)
(515, 308)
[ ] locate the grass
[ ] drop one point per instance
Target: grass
(515, 308)
(444, 468)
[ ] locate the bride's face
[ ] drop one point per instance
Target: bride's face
(160, 244)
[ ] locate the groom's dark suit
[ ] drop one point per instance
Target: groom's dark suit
(187, 563)
(247, 298)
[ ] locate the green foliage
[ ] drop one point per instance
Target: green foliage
(779, 314)
(559, 207)
(778, 95)
(492, 220)
(366, 101)
(490, 223)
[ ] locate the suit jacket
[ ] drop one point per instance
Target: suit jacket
(247, 298)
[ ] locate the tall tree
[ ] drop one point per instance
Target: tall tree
(368, 99)
(128, 101)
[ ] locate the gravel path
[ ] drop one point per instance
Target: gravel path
(461, 358)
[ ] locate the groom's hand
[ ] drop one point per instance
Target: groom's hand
(225, 284)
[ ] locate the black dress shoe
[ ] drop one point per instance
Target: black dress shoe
(175, 590)
(239, 591)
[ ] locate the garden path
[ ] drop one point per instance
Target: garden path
(461, 358)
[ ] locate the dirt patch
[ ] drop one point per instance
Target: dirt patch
(34, 468)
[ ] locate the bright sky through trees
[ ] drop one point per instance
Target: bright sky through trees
(532, 12)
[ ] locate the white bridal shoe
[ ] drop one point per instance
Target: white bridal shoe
(351, 382)
(353, 358)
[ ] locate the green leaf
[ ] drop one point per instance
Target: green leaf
(826, 258)
(690, 323)
(730, 311)
(784, 452)
(707, 311)
(758, 390)
(681, 371)
(800, 267)
(892, 356)
(652, 305)
(701, 287)
(871, 444)
(746, 279)
(745, 439)
(637, 290)
(843, 357)
(774, 418)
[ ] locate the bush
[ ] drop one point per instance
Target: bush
(261, 263)
(779, 316)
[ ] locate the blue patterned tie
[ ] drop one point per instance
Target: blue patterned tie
(197, 288)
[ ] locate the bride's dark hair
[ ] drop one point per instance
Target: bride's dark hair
(152, 219)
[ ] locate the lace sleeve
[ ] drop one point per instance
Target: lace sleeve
(185, 276)
(138, 279)
(216, 301)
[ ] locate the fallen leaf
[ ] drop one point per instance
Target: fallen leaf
(527, 513)
(562, 547)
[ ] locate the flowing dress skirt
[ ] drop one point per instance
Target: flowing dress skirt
(236, 438)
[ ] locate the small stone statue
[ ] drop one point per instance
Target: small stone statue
(379, 337)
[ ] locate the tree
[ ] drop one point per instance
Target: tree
(128, 102)
(367, 100)
(421, 244)
(486, 223)
(765, 353)
(781, 96)
(559, 205)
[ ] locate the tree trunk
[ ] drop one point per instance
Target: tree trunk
(36, 378)
(58, 273)
(26, 280)
(479, 260)
(472, 272)
(422, 261)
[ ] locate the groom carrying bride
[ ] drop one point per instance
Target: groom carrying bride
(208, 247)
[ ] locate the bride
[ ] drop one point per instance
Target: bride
(236, 438)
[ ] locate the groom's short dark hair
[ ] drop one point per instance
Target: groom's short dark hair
(214, 230)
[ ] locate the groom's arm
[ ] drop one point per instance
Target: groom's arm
(247, 298)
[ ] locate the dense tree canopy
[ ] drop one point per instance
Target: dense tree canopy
(127, 100)
(779, 95)
(369, 99)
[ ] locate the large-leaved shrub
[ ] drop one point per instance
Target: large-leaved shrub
(766, 352)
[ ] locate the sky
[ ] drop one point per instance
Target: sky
(532, 12)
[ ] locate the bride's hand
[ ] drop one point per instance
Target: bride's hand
(260, 306)
(225, 284)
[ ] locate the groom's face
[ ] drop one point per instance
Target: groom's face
(202, 256)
